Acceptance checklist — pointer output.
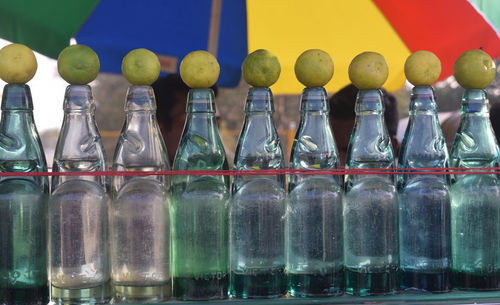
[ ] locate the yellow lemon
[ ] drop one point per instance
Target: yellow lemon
(17, 64)
(422, 68)
(368, 70)
(78, 64)
(199, 69)
(261, 68)
(314, 68)
(474, 69)
(141, 67)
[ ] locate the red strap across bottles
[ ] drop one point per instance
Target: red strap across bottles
(268, 172)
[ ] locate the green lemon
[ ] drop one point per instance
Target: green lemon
(422, 68)
(141, 67)
(78, 64)
(368, 70)
(199, 69)
(261, 68)
(314, 68)
(17, 64)
(474, 69)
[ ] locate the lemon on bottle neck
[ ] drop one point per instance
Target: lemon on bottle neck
(18, 64)
(422, 68)
(314, 68)
(368, 70)
(78, 64)
(474, 69)
(199, 69)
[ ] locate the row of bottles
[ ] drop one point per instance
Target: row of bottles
(326, 236)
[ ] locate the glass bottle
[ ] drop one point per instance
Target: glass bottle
(78, 208)
(140, 213)
(315, 250)
(258, 205)
(23, 202)
(200, 212)
(371, 203)
(424, 208)
(475, 210)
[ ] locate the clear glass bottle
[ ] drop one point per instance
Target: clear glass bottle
(200, 211)
(424, 200)
(23, 203)
(475, 209)
(140, 213)
(370, 204)
(258, 205)
(78, 208)
(315, 250)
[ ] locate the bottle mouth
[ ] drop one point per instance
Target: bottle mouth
(17, 97)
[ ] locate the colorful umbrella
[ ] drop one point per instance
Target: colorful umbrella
(231, 28)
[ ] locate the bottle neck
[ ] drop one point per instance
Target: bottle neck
(314, 146)
(79, 146)
(475, 144)
(259, 146)
(20, 146)
(18, 135)
(423, 144)
(474, 103)
(140, 111)
(370, 145)
(17, 110)
(200, 147)
(314, 138)
(140, 144)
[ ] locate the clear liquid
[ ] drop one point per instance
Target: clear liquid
(78, 214)
(370, 231)
(23, 254)
(425, 240)
(314, 234)
(200, 216)
(475, 227)
(140, 230)
(257, 232)
(78, 166)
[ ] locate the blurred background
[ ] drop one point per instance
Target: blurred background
(230, 29)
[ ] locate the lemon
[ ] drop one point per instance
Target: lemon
(261, 68)
(368, 70)
(141, 67)
(17, 64)
(199, 69)
(314, 68)
(422, 68)
(474, 69)
(78, 64)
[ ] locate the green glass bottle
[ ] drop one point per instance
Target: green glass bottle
(258, 205)
(200, 211)
(371, 204)
(315, 250)
(424, 200)
(23, 203)
(475, 209)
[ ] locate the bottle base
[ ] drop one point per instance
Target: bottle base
(258, 285)
(372, 283)
(315, 285)
(425, 282)
(31, 296)
(476, 282)
(141, 294)
(196, 289)
(94, 295)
